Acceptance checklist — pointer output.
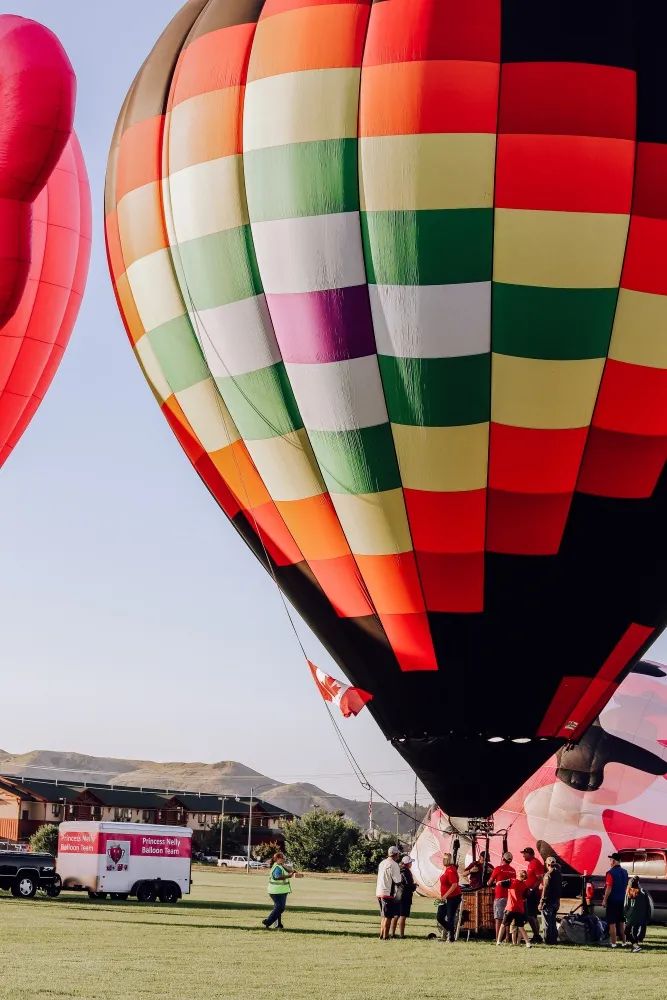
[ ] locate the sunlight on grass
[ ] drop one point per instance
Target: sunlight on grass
(212, 945)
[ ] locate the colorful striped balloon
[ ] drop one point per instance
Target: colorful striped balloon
(396, 273)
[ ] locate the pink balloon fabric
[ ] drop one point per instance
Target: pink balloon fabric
(45, 219)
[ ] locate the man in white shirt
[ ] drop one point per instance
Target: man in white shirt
(389, 878)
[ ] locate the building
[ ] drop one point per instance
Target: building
(27, 803)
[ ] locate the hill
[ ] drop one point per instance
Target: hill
(228, 777)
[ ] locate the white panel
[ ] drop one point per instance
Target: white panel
(206, 198)
(341, 395)
(155, 290)
(310, 254)
(238, 337)
(432, 321)
(208, 416)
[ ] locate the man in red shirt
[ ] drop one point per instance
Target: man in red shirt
(450, 898)
(534, 874)
(515, 914)
(500, 873)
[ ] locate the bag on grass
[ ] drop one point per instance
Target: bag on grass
(576, 929)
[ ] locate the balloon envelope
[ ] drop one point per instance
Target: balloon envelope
(45, 231)
(607, 794)
(395, 273)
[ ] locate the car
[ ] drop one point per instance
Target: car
(239, 861)
(23, 874)
(650, 865)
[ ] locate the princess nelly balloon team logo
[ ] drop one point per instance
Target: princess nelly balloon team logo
(117, 856)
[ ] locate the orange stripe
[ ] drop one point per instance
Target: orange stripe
(445, 96)
(208, 128)
(393, 582)
(139, 156)
(314, 523)
(341, 582)
(277, 540)
(212, 62)
(321, 37)
(133, 324)
(239, 472)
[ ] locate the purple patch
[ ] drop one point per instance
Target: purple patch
(318, 327)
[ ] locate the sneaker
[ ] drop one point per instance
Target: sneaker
(627, 944)
(529, 944)
(636, 948)
(612, 945)
(538, 939)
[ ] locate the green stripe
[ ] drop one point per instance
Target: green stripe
(179, 354)
(261, 403)
(439, 247)
(553, 323)
(217, 269)
(345, 459)
(305, 178)
(437, 392)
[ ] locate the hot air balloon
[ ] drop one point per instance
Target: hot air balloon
(606, 794)
(396, 274)
(45, 219)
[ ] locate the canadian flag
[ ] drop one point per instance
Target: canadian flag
(350, 700)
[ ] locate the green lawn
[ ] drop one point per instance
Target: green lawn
(212, 945)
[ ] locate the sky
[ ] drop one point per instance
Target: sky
(134, 622)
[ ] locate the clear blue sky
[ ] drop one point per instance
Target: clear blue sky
(133, 620)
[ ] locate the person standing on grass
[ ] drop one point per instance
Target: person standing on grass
(534, 873)
(450, 898)
(615, 884)
(389, 878)
(499, 874)
(404, 904)
(552, 886)
(637, 914)
(515, 913)
(279, 889)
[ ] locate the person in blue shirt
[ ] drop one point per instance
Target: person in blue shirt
(616, 883)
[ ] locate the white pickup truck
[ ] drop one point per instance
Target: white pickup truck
(238, 861)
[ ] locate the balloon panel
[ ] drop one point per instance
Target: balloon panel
(391, 271)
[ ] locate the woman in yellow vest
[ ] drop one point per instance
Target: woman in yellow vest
(279, 889)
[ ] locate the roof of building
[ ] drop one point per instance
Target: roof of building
(53, 790)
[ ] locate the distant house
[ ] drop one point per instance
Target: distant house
(27, 803)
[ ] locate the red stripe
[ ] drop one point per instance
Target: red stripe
(632, 399)
(645, 268)
(621, 465)
(447, 522)
(524, 524)
(452, 582)
(650, 197)
(535, 460)
(408, 30)
(566, 173)
(551, 98)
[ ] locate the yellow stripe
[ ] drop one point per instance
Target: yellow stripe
(287, 466)
(301, 107)
(640, 329)
(208, 416)
(559, 249)
(140, 223)
(442, 459)
(156, 293)
(527, 392)
(403, 172)
(152, 369)
(206, 198)
(375, 524)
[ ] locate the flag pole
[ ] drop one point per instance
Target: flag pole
(249, 832)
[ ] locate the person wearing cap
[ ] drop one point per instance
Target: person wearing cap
(637, 914)
(534, 874)
(501, 873)
(404, 904)
(552, 886)
(615, 884)
(389, 878)
(450, 898)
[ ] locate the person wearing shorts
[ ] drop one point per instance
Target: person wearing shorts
(404, 904)
(616, 883)
(389, 877)
(514, 917)
(500, 874)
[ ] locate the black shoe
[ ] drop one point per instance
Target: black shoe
(265, 925)
(537, 939)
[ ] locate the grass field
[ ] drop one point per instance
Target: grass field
(212, 945)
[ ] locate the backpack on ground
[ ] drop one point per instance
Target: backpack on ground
(577, 929)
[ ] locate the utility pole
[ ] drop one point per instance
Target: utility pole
(249, 832)
(370, 813)
(222, 822)
(397, 833)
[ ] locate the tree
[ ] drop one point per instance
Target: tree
(265, 852)
(365, 856)
(234, 838)
(320, 841)
(45, 840)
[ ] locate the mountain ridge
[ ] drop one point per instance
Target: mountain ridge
(222, 777)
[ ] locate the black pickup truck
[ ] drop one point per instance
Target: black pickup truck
(23, 874)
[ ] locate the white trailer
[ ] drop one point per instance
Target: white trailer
(125, 859)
